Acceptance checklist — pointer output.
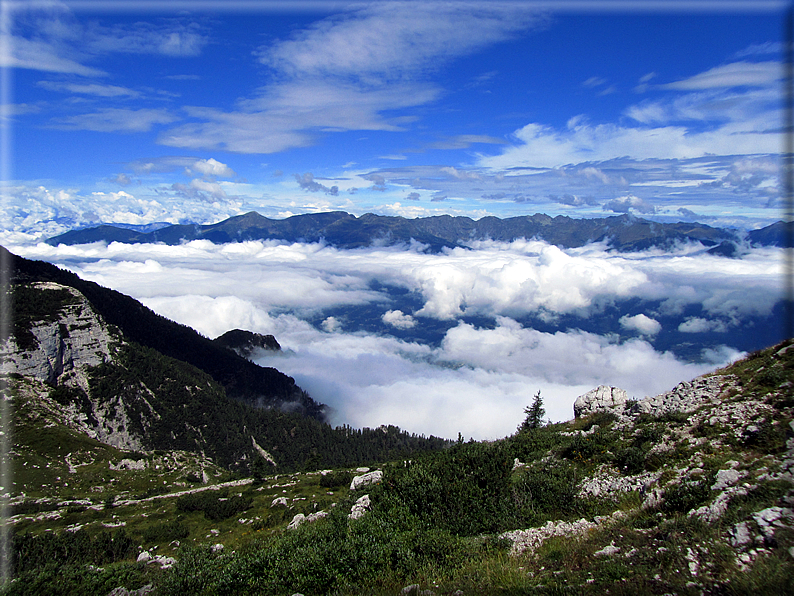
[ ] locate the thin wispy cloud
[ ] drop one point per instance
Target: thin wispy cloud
(116, 120)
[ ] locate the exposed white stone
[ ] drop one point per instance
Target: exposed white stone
(608, 551)
(301, 518)
(265, 455)
(740, 534)
(366, 480)
(77, 339)
(726, 478)
(360, 507)
(608, 482)
(602, 398)
(129, 464)
(687, 396)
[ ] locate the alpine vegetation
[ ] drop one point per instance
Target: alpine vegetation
(134, 472)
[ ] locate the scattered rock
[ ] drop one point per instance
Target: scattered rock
(602, 398)
(301, 518)
(609, 550)
(279, 502)
(361, 506)
(366, 480)
(129, 464)
(726, 478)
(740, 534)
(122, 591)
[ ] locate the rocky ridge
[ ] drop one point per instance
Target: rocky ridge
(721, 413)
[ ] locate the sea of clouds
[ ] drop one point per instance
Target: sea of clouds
(478, 378)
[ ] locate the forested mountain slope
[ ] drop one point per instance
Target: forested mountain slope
(343, 230)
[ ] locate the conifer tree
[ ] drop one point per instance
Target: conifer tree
(534, 414)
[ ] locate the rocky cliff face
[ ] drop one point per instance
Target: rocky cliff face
(75, 340)
(66, 347)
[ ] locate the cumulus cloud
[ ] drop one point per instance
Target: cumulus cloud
(641, 323)
(398, 319)
(212, 168)
(478, 378)
(740, 102)
(200, 189)
(122, 179)
(629, 203)
(700, 325)
(332, 325)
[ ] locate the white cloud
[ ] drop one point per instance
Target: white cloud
(212, 167)
(544, 147)
(641, 323)
(629, 203)
(348, 71)
(332, 325)
(398, 319)
(88, 89)
(478, 380)
(18, 52)
(741, 103)
(293, 113)
(700, 325)
(393, 39)
(753, 74)
(46, 36)
(116, 120)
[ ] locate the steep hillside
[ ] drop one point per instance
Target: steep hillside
(687, 492)
(133, 397)
(243, 380)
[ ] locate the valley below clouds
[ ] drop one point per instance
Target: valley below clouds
(459, 341)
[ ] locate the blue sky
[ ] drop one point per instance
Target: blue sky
(135, 112)
(173, 111)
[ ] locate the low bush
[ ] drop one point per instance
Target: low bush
(166, 532)
(33, 552)
(334, 479)
(686, 496)
(215, 506)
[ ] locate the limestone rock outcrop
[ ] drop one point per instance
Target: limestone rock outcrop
(599, 399)
(366, 480)
(74, 341)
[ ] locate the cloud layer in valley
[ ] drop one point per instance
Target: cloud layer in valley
(487, 365)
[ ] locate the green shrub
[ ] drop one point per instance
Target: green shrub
(166, 532)
(32, 552)
(630, 460)
(334, 479)
(214, 506)
(686, 496)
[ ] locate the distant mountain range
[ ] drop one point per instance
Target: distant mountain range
(343, 230)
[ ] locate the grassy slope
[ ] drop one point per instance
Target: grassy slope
(438, 520)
